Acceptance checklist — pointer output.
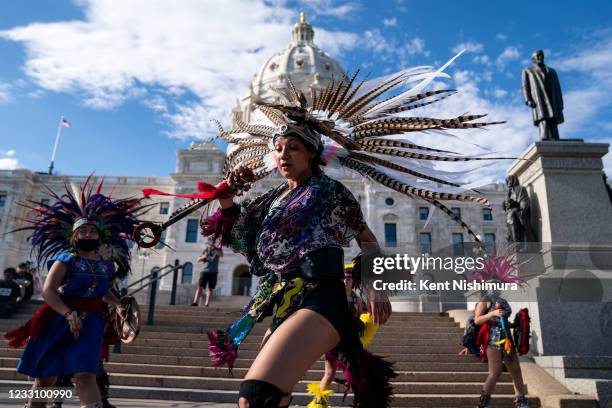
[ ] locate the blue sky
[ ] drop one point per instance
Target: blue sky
(140, 79)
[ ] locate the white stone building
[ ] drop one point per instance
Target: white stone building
(393, 218)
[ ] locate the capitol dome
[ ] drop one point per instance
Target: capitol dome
(306, 64)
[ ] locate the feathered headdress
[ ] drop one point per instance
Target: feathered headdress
(53, 224)
(498, 269)
(359, 126)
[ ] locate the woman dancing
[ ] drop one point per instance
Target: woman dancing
(65, 336)
(293, 235)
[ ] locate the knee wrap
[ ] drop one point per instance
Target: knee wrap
(261, 394)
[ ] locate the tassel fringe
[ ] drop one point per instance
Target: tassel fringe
(320, 397)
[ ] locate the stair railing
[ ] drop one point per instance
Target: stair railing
(151, 281)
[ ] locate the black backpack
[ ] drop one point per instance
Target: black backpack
(470, 334)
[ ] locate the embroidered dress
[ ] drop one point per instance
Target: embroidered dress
(55, 351)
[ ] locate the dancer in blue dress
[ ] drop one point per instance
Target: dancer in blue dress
(81, 236)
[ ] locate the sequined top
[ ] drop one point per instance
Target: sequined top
(275, 232)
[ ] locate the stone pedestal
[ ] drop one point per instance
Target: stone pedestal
(570, 299)
(569, 200)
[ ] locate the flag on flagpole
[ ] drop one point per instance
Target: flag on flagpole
(66, 123)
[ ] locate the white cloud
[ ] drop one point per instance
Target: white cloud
(482, 59)
(587, 106)
(594, 61)
(508, 54)
(5, 92)
(157, 104)
(391, 49)
(209, 48)
(581, 106)
(501, 37)
(468, 46)
(375, 41)
(390, 22)
(330, 8)
(8, 161)
(607, 163)
(36, 94)
(508, 139)
(415, 46)
(335, 42)
(500, 93)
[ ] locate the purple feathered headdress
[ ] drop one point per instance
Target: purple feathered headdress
(53, 224)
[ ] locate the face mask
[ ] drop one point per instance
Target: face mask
(87, 244)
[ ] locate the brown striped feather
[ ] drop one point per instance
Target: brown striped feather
(354, 106)
(334, 95)
(406, 189)
(345, 91)
(274, 115)
(394, 166)
(313, 98)
(399, 143)
(420, 156)
(348, 99)
(389, 181)
(327, 94)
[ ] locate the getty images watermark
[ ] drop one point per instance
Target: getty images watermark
(405, 264)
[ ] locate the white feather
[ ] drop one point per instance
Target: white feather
(399, 99)
(376, 82)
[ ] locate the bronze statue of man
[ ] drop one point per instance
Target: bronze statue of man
(542, 93)
(518, 212)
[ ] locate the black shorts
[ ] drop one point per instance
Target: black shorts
(208, 279)
(329, 300)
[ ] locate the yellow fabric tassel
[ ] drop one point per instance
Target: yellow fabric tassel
(370, 329)
(507, 345)
(321, 397)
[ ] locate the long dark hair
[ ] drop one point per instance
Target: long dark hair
(316, 163)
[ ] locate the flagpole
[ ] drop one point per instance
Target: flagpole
(57, 138)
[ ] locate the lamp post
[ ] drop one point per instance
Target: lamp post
(144, 255)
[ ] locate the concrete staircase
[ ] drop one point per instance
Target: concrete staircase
(169, 361)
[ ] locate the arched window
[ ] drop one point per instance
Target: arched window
(242, 281)
(187, 273)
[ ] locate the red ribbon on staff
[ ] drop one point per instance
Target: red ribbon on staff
(206, 192)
